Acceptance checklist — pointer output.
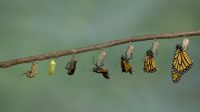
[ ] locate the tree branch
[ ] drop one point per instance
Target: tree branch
(96, 47)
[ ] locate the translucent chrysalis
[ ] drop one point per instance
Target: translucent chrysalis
(185, 43)
(101, 58)
(52, 66)
(129, 51)
(155, 47)
(71, 65)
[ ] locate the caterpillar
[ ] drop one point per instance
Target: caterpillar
(32, 73)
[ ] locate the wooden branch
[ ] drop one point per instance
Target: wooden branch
(96, 47)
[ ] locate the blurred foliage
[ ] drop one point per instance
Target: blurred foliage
(31, 27)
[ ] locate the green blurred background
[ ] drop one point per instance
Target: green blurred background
(32, 27)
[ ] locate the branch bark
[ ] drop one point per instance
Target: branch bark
(96, 47)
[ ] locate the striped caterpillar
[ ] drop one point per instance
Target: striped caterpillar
(32, 73)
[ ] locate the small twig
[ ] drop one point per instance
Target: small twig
(96, 47)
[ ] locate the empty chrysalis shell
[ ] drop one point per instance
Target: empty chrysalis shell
(101, 58)
(129, 51)
(185, 43)
(155, 47)
(52, 66)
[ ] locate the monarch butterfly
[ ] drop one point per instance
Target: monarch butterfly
(32, 73)
(99, 63)
(176, 77)
(71, 65)
(181, 62)
(185, 43)
(149, 64)
(126, 66)
(52, 66)
(103, 71)
(155, 47)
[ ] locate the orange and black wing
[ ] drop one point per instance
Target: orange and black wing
(181, 62)
(149, 64)
(123, 65)
(105, 73)
(126, 66)
(176, 77)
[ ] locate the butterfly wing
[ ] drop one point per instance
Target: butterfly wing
(105, 73)
(123, 65)
(176, 77)
(150, 65)
(181, 62)
(126, 66)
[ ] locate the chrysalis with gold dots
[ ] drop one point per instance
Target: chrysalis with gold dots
(52, 65)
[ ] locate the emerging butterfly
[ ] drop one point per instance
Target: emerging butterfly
(181, 63)
(99, 65)
(103, 71)
(176, 77)
(125, 65)
(149, 63)
(71, 65)
(32, 73)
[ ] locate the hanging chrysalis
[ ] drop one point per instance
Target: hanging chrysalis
(71, 65)
(125, 65)
(129, 51)
(99, 63)
(185, 43)
(101, 58)
(52, 66)
(155, 47)
(32, 73)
